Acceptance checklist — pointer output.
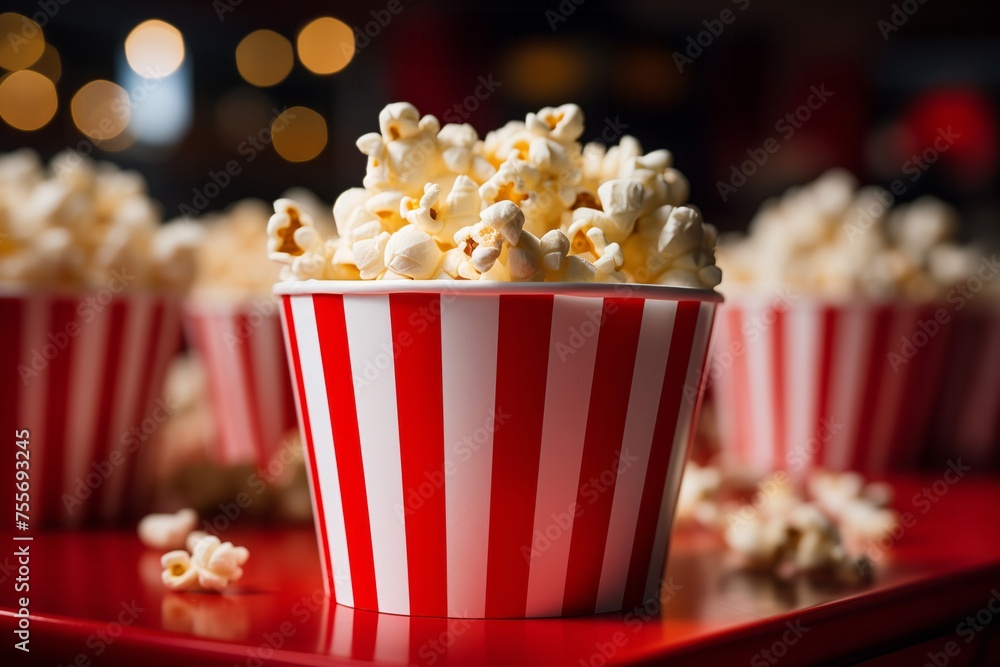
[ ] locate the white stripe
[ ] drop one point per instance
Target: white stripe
(320, 542)
(207, 331)
(34, 408)
(469, 329)
(240, 440)
(572, 352)
(392, 640)
(317, 402)
(851, 352)
(760, 370)
(678, 455)
(640, 422)
(803, 340)
(127, 396)
(724, 390)
(86, 383)
(887, 412)
(369, 334)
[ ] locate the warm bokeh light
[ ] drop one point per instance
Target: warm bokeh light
(50, 64)
(27, 100)
(544, 71)
(264, 58)
(154, 49)
(299, 134)
(21, 43)
(101, 110)
(326, 45)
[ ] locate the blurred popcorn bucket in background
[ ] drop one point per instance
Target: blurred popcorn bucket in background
(801, 384)
(967, 422)
(82, 373)
(495, 450)
(240, 346)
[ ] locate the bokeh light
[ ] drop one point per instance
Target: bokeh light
(299, 134)
(154, 49)
(101, 110)
(326, 45)
(27, 100)
(22, 41)
(50, 64)
(541, 71)
(264, 58)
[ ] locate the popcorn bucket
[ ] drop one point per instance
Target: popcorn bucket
(841, 386)
(967, 421)
(495, 450)
(80, 381)
(240, 347)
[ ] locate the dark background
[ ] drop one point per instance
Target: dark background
(890, 97)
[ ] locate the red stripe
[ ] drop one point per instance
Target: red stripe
(147, 385)
(296, 366)
(780, 414)
(110, 366)
(289, 420)
(416, 332)
(63, 311)
(702, 381)
(609, 398)
(364, 632)
(332, 327)
(522, 364)
(250, 406)
(829, 316)
(740, 385)
(11, 420)
(870, 391)
(671, 396)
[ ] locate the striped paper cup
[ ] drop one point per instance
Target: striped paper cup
(967, 423)
(241, 349)
(82, 374)
(801, 384)
(494, 450)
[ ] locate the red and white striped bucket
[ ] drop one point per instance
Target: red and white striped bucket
(83, 374)
(488, 450)
(803, 383)
(241, 349)
(967, 423)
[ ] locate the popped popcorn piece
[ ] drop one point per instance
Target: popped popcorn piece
(290, 232)
(179, 573)
(413, 253)
(421, 212)
(167, 531)
(218, 563)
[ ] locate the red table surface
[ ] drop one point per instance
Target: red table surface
(96, 599)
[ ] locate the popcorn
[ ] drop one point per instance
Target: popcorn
(83, 224)
(212, 565)
(527, 203)
(833, 239)
(167, 531)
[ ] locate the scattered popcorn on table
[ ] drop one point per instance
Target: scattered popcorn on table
(699, 490)
(167, 531)
(212, 565)
(526, 203)
(834, 239)
(82, 224)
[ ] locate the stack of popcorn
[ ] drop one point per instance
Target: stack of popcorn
(90, 283)
(448, 412)
(836, 332)
(528, 203)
